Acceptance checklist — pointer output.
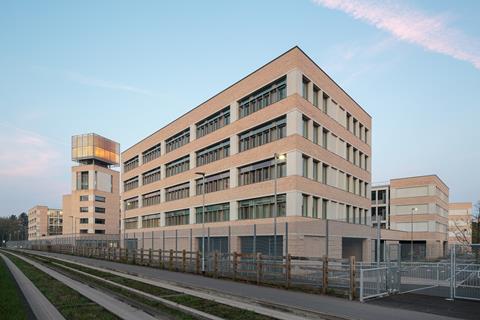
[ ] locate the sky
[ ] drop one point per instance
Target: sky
(124, 69)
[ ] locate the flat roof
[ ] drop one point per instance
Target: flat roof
(248, 75)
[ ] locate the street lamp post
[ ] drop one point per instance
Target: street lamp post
(277, 157)
(203, 219)
(411, 234)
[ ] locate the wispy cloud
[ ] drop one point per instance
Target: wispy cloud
(27, 154)
(100, 83)
(431, 32)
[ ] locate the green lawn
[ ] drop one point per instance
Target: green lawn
(71, 304)
(11, 304)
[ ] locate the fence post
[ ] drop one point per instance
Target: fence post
(352, 278)
(361, 285)
(160, 258)
(150, 257)
(141, 253)
(259, 267)
(184, 260)
(288, 270)
(325, 274)
(235, 265)
(170, 262)
(134, 256)
(197, 262)
(215, 264)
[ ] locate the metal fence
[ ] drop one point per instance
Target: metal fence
(380, 281)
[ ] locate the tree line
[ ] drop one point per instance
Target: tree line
(13, 228)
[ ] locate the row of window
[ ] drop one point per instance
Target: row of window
(321, 100)
(326, 174)
(97, 198)
(96, 210)
(330, 141)
(261, 98)
(96, 221)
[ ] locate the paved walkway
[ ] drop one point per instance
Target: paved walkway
(117, 307)
(41, 307)
(326, 305)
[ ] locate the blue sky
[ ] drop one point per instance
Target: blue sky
(124, 69)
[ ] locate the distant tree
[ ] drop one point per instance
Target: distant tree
(23, 220)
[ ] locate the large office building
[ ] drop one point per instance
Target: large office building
(460, 223)
(44, 222)
(93, 207)
(288, 114)
(413, 209)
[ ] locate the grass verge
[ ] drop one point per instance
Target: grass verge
(12, 305)
(211, 307)
(71, 304)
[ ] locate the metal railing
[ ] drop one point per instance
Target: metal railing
(380, 281)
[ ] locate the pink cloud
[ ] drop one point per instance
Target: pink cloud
(411, 25)
(26, 153)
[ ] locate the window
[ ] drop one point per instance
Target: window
(130, 184)
(305, 121)
(151, 176)
(213, 213)
(151, 221)
(131, 223)
(261, 171)
(99, 198)
(315, 170)
(325, 138)
(349, 119)
(348, 209)
(349, 150)
(177, 217)
(178, 140)
(316, 92)
(83, 198)
(305, 166)
(355, 122)
(325, 103)
(177, 192)
(83, 209)
(263, 134)
(316, 129)
(324, 209)
(83, 231)
(214, 122)
(83, 220)
(213, 153)
(304, 205)
(152, 153)
(266, 96)
(260, 208)
(366, 135)
(82, 180)
(131, 203)
(213, 183)
(177, 166)
(315, 207)
(348, 179)
(151, 199)
(130, 164)
(99, 221)
(99, 210)
(305, 83)
(325, 173)
(99, 231)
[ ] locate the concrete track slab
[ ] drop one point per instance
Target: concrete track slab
(327, 305)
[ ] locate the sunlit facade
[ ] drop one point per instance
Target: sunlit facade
(43, 222)
(91, 146)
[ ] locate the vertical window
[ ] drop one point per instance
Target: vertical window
(325, 103)
(304, 205)
(315, 207)
(305, 166)
(349, 119)
(355, 122)
(316, 128)
(325, 173)
(315, 170)
(305, 121)
(324, 209)
(316, 92)
(325, 138)
(348, 208)
(305, 83)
